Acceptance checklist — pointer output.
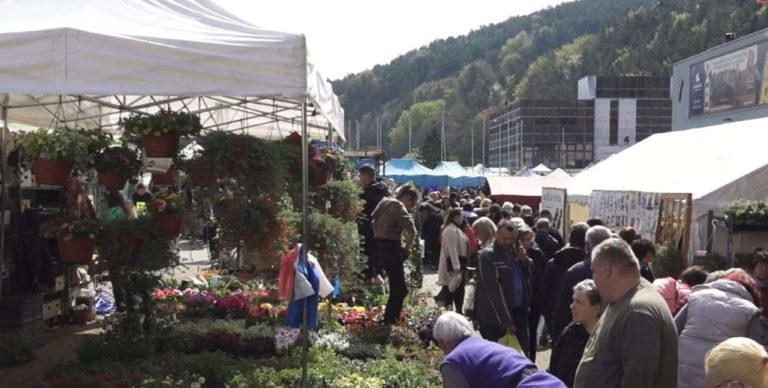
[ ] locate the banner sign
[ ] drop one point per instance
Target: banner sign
(733, 81)
(618, 209)
(554, 200)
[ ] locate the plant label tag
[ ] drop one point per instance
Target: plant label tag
(328, 204)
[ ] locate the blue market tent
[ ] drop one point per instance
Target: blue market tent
(453, 174)
(408, 170)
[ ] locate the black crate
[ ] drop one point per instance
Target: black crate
(15, 309)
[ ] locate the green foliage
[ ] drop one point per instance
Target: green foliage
(430, 148)
(162, 122)
(61, 144)
(136, 245)
(424, 118)
(343, 196)
(711, 262)
(667, 262)
(69, 227)
(96, 349)
(537, 56)
(123, 161)
(743, 211)
(14, 350)
(335, 243)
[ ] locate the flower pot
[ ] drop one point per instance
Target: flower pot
(167, 179)
(52, 172)
(111, 180)
(78, 250)
(168, 222)
(83, 316)
(163, 146)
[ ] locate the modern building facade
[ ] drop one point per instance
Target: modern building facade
(611, 113)
(723, 84)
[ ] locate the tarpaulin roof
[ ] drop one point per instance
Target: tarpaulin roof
(407, 170)
(453, 174)
(541, 169)
(716, 164)
(523, 186)
(559, 173)
(88, 62)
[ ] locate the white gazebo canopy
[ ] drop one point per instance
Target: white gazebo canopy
(89, 62)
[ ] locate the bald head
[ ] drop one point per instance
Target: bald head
(616, 253)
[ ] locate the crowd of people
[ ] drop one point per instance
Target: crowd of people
(593, 298)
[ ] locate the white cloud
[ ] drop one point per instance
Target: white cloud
(346, 36)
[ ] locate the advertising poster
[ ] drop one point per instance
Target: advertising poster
(618, 209)
(554, 200)
(733, 81)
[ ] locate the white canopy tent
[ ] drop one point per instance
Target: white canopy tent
(717, 165)
(89, 62)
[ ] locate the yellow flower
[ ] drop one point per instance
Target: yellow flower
(359, 309)
(266, 306)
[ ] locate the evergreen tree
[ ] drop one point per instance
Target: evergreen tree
(430, 147)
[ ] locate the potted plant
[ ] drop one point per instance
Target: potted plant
(745, 216)
(322, 166)
(116, 165)
(165, 210)
(55, 153)
(161, 131)
(75, 238)
(168, 178)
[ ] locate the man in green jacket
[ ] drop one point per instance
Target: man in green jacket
(634, 345)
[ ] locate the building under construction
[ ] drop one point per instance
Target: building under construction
(610, 114)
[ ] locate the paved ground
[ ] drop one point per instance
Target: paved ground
(430, 287)
(59, 345)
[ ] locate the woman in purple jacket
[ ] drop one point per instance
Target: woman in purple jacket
(472, 362)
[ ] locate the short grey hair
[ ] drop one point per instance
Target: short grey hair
(716, 275)
(542, 223)
(508, 206)
(450, 327)
(519, 222)
(589, 287)
(616, 252)
(486, 203)
(596, 235)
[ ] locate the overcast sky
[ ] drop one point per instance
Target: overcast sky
(348, 36)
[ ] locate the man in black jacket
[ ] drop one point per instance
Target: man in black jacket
(555, 271)
(431, 222)
(504, 288)
(578, 272)
(544, 239)
(374, 190)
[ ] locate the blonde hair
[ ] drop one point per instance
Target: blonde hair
(737, 359)
(485, 229)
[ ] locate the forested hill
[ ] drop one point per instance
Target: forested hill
(541, 55)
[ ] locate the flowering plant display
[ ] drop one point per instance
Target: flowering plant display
(123, 161)
(64, 144)
(70, 227)
(167, 203)
(330, 340)
(286, 337)
(234, 305)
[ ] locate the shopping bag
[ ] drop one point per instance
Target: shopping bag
(469, 298)
(511, 341)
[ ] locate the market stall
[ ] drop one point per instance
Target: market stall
(722, 164)
(190, 67)
(521, 190)
(454, 175)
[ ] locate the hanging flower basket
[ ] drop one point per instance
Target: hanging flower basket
(167, 179)
(78, 250)
(168, 222)
(52, 172)
(162, 146)
(111, 180)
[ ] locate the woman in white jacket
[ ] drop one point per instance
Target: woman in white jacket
(453, 255)
(716, 311)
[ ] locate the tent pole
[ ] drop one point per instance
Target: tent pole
(304, 236)
(3, 184)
